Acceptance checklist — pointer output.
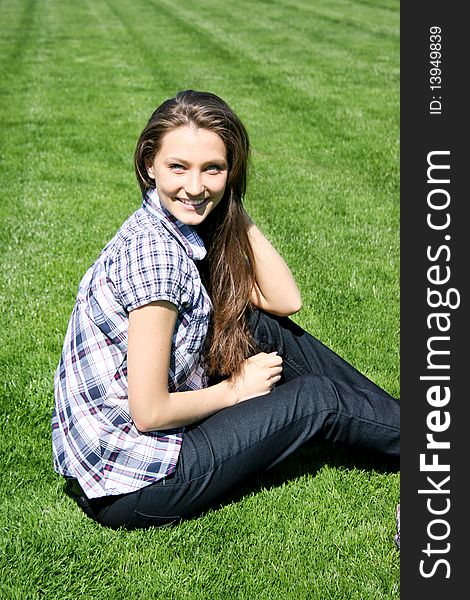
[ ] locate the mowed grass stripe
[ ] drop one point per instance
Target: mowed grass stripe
(302, 105)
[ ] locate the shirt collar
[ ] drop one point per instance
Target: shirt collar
(185, 234)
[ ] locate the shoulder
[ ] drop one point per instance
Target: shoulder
(145, 265)
(143, 238)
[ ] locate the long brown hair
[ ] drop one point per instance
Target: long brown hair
(228, 271)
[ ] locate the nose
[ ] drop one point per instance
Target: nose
(194, 186)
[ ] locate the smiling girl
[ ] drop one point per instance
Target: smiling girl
(181, 374)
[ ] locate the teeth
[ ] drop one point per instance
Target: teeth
(192, 202)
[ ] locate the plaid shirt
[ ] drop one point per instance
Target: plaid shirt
(93, 437)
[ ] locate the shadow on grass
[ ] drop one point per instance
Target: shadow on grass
(308, 460)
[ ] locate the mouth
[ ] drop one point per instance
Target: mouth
(193, 203)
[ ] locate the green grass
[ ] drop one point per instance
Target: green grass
(317, 84)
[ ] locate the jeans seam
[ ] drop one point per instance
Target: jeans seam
(293, 364)
(285, 356)
(209, 472)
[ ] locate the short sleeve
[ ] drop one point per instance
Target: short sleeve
(149, 267)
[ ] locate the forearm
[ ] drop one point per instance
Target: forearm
(258, 375)
(276, 289)
(177, 409)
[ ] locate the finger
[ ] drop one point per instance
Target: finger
(273, 381)
(258, 356)
(275, 368)
(273, 359)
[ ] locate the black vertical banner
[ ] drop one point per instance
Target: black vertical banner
(435, 250)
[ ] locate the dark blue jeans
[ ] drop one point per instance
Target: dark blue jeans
(320, 397)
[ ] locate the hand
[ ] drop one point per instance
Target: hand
(258, 375)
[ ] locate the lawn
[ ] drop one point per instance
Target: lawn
(317, 84)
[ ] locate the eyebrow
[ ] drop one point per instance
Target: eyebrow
(175, 159)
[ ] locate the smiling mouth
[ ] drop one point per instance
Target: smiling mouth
(192, 202)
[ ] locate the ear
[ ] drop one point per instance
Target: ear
(150, 171)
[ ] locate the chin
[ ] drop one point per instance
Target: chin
(192, 221)
(193, 218)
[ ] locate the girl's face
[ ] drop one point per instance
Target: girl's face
(190, 172)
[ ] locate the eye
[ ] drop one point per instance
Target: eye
(214, 169)
(176, 167)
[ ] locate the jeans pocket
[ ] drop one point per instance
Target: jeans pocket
(140, 520)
